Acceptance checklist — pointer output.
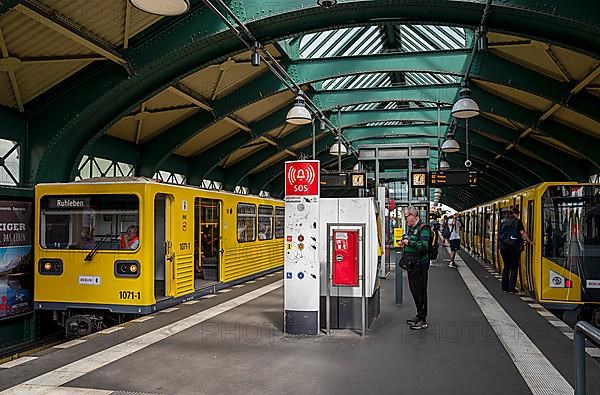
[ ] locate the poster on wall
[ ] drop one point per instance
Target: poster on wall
(16, 258)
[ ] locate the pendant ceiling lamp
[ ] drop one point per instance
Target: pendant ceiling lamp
(465, 106)
(299, 114)
(444, 165)
(450, 145)
(338, 148)
(162, 7)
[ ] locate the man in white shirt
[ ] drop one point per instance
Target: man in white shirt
(454, 224)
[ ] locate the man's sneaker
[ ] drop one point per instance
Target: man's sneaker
(452, 265)
(419, 325)
(412, 321)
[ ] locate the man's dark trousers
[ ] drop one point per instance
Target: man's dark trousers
(511, 260)
(417, 282)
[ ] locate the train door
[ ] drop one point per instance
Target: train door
(529, 252)
(163, 256)
(208, 238)
(522, 266)
(494, 238)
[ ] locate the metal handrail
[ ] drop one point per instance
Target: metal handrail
(583, 330)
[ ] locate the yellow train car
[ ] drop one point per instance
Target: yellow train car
(562, 269)
(109, 248)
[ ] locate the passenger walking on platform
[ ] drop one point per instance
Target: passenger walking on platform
(454, 225)
(445, 231)
(510, 238)
(416, 241)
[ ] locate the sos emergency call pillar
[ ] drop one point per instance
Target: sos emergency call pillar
(301, 257)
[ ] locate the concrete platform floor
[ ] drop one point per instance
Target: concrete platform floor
(233, 343)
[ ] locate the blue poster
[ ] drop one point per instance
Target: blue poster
(16, 258)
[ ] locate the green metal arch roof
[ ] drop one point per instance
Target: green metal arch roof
(71, 119)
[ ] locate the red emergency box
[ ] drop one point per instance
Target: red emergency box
(345, 258)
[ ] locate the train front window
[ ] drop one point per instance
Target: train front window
(84, 222)
(571, 226)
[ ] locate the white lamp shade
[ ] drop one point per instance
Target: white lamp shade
(465, 107)
(338, 148)
(298, 115)
(437, 190)
(162, 7)
(450, 146)
(356, 167)
(444, 165)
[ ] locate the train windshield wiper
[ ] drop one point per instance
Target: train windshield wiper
(91, 254)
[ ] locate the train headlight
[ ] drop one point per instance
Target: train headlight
(51, 267)
(127, 269)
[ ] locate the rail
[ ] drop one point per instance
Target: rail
(583, 330)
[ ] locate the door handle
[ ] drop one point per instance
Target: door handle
(171, 258)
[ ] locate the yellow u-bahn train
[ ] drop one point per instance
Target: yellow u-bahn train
(562, 269)
(112, 248)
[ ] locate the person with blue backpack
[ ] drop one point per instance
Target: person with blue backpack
(510, 239)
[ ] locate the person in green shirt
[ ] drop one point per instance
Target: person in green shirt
(415, 242)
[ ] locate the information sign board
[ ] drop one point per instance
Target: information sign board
(453, 178)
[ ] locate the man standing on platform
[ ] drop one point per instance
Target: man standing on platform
(416, 241)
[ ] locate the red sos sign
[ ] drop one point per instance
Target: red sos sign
(302, 178)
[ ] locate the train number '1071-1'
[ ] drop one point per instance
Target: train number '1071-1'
(130, 295)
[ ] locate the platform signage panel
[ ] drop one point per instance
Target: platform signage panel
(301, 251)
(453, 178)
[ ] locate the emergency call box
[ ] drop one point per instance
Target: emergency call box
(345, 258)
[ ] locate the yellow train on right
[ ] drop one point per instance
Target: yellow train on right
(561, 270)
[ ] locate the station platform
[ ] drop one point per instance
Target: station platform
(479, 340)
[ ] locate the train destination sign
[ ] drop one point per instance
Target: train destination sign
(68, 202)
(454, 178)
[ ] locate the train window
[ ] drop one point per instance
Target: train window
(85, 222)
(265, 222)
(571, 226)
(246, 222)
(279, 222)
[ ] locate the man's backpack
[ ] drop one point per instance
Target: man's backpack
(446, 232)
(509, 235)
(432, 250)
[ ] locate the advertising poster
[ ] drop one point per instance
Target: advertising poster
(16, 258)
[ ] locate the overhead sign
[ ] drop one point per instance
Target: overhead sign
(453, 178)
(302, 178)
(333, 180)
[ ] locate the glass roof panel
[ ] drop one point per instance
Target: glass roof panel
(379, 39)
(374, 39)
